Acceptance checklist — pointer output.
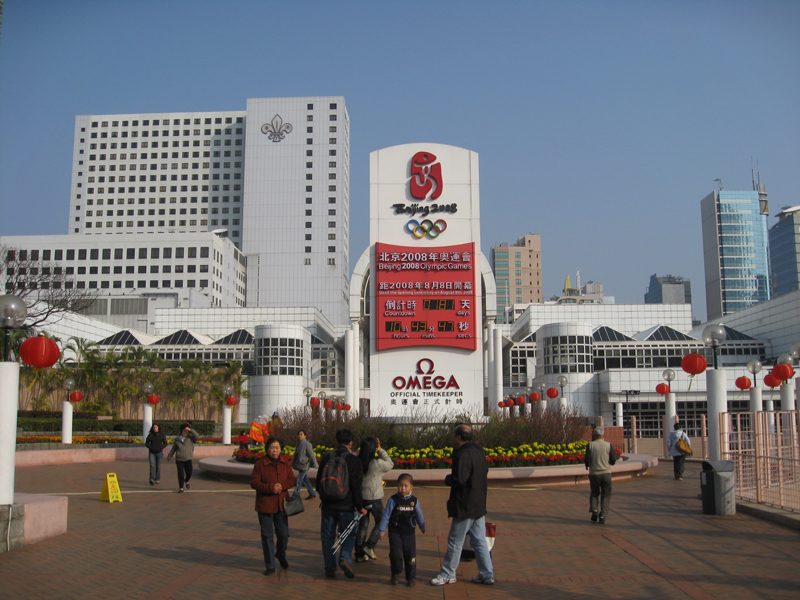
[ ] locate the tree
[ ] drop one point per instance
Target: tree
(48, 288)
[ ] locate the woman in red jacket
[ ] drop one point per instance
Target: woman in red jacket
(272, 477)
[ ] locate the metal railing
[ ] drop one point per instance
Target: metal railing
(650, 441)
(765, 449)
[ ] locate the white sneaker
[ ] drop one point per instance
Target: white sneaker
(371, 553)
(442, 580)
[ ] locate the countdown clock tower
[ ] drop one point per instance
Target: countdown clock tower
(426, 326)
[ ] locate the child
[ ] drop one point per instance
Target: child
(243, 440)
(402, 514)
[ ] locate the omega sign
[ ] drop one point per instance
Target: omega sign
(427, 381)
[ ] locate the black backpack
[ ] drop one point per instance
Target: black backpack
(334, 483)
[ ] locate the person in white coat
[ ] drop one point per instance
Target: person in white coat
(375, 462)
(678, 458)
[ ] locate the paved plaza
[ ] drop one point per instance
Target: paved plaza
(158, 544)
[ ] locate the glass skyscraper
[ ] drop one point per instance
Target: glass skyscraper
(735, 250)
(784, 251)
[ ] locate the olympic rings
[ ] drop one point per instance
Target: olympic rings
(427, 227)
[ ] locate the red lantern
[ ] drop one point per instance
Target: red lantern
(783, 371)
(39, 352)
(339, 406)
(328, 404)
(771, 381)
(552, 393)
(75, 396)
(153, 399)
(535, 397)
(315, 402)
(694, 364)
(232, 401)
(520, 400)
(743, 383)
(347, 407)
(662, 388)
(501, 404)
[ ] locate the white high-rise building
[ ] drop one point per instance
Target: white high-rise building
(273, 178)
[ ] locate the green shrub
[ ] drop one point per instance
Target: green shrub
(169, 428)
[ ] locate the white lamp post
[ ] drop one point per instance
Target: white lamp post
(562, 381)
(12, 316)
(66, 413)
(542, 397)
(227, 410)
(147, 410)
(754, 367)
(716, 391)
(787, 389)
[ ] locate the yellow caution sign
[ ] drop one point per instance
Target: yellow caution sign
(111, 491)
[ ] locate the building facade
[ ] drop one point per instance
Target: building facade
(273, 178)
(735, 250)
(518, 272)
(784, 251)
(668, 289)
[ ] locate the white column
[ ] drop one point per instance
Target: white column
(787, 395)
(498, 367)
(671, 406)
(226, 424)
(348, 368)
(147, 419)
(562, 401)
(490, 368)
(543, 407)
(66, 422)
(755, 399)
(620, 420)
(356, 366)
(717, 396)
(9, 403)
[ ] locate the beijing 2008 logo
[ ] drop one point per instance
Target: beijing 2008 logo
(425, 172)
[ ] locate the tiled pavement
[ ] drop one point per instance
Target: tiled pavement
(205, 544)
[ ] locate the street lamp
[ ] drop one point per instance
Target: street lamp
(754, 366)
(562, 381)
(307, 393)
(668, 375)
(713, 336)
(12, 316)
(66, 413)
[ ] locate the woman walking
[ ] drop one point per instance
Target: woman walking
(375, 462)
(183, 448)
(678, 457)
(303, 458)
(272, 477)
(155, 443)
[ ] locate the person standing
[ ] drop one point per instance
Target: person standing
(374, 462)
(183, 450)
(303, 458)
(678, 457)
(599, 458)
(339, 488)
(155, 443)
(275, 425)
(271, 479)
(403, 513)
(467, 507)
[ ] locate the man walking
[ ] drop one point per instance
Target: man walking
(467, 507)
(339, 487)
(599, 458)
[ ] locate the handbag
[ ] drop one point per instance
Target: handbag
(293, 506)
(684, 447)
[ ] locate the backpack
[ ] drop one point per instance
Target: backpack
(334, 483)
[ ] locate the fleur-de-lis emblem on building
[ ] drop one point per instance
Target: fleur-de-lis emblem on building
(277, 129)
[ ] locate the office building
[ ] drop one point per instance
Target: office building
(668, 289)
(518, 273)
(784, 251)
(273, 178)
(735, 250)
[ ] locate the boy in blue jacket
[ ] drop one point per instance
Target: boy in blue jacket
(402, 514)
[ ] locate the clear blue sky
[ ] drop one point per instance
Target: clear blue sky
(600, 125)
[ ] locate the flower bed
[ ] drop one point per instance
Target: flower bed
(527, 455)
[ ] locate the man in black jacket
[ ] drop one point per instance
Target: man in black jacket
(467, 507)
(340, 508)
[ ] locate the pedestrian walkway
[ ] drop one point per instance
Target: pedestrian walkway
(205, 543)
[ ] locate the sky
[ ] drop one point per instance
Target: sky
(599, 124)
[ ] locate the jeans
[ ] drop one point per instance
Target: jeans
(459, 528)
(331, 520)
(600, 493)
(376, 510)
(302, 478)
(184, 471)
(678, 462)
(272, 524)
(403, 551)
(155, 466)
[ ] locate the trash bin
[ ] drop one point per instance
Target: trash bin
(718, 487)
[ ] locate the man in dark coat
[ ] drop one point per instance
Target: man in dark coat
(339, 512)
(467, 507)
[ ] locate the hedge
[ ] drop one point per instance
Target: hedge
(55, 414)
(169, 428)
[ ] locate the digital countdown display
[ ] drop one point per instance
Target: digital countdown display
(425, 297)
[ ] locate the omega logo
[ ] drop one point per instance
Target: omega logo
(427, 382)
